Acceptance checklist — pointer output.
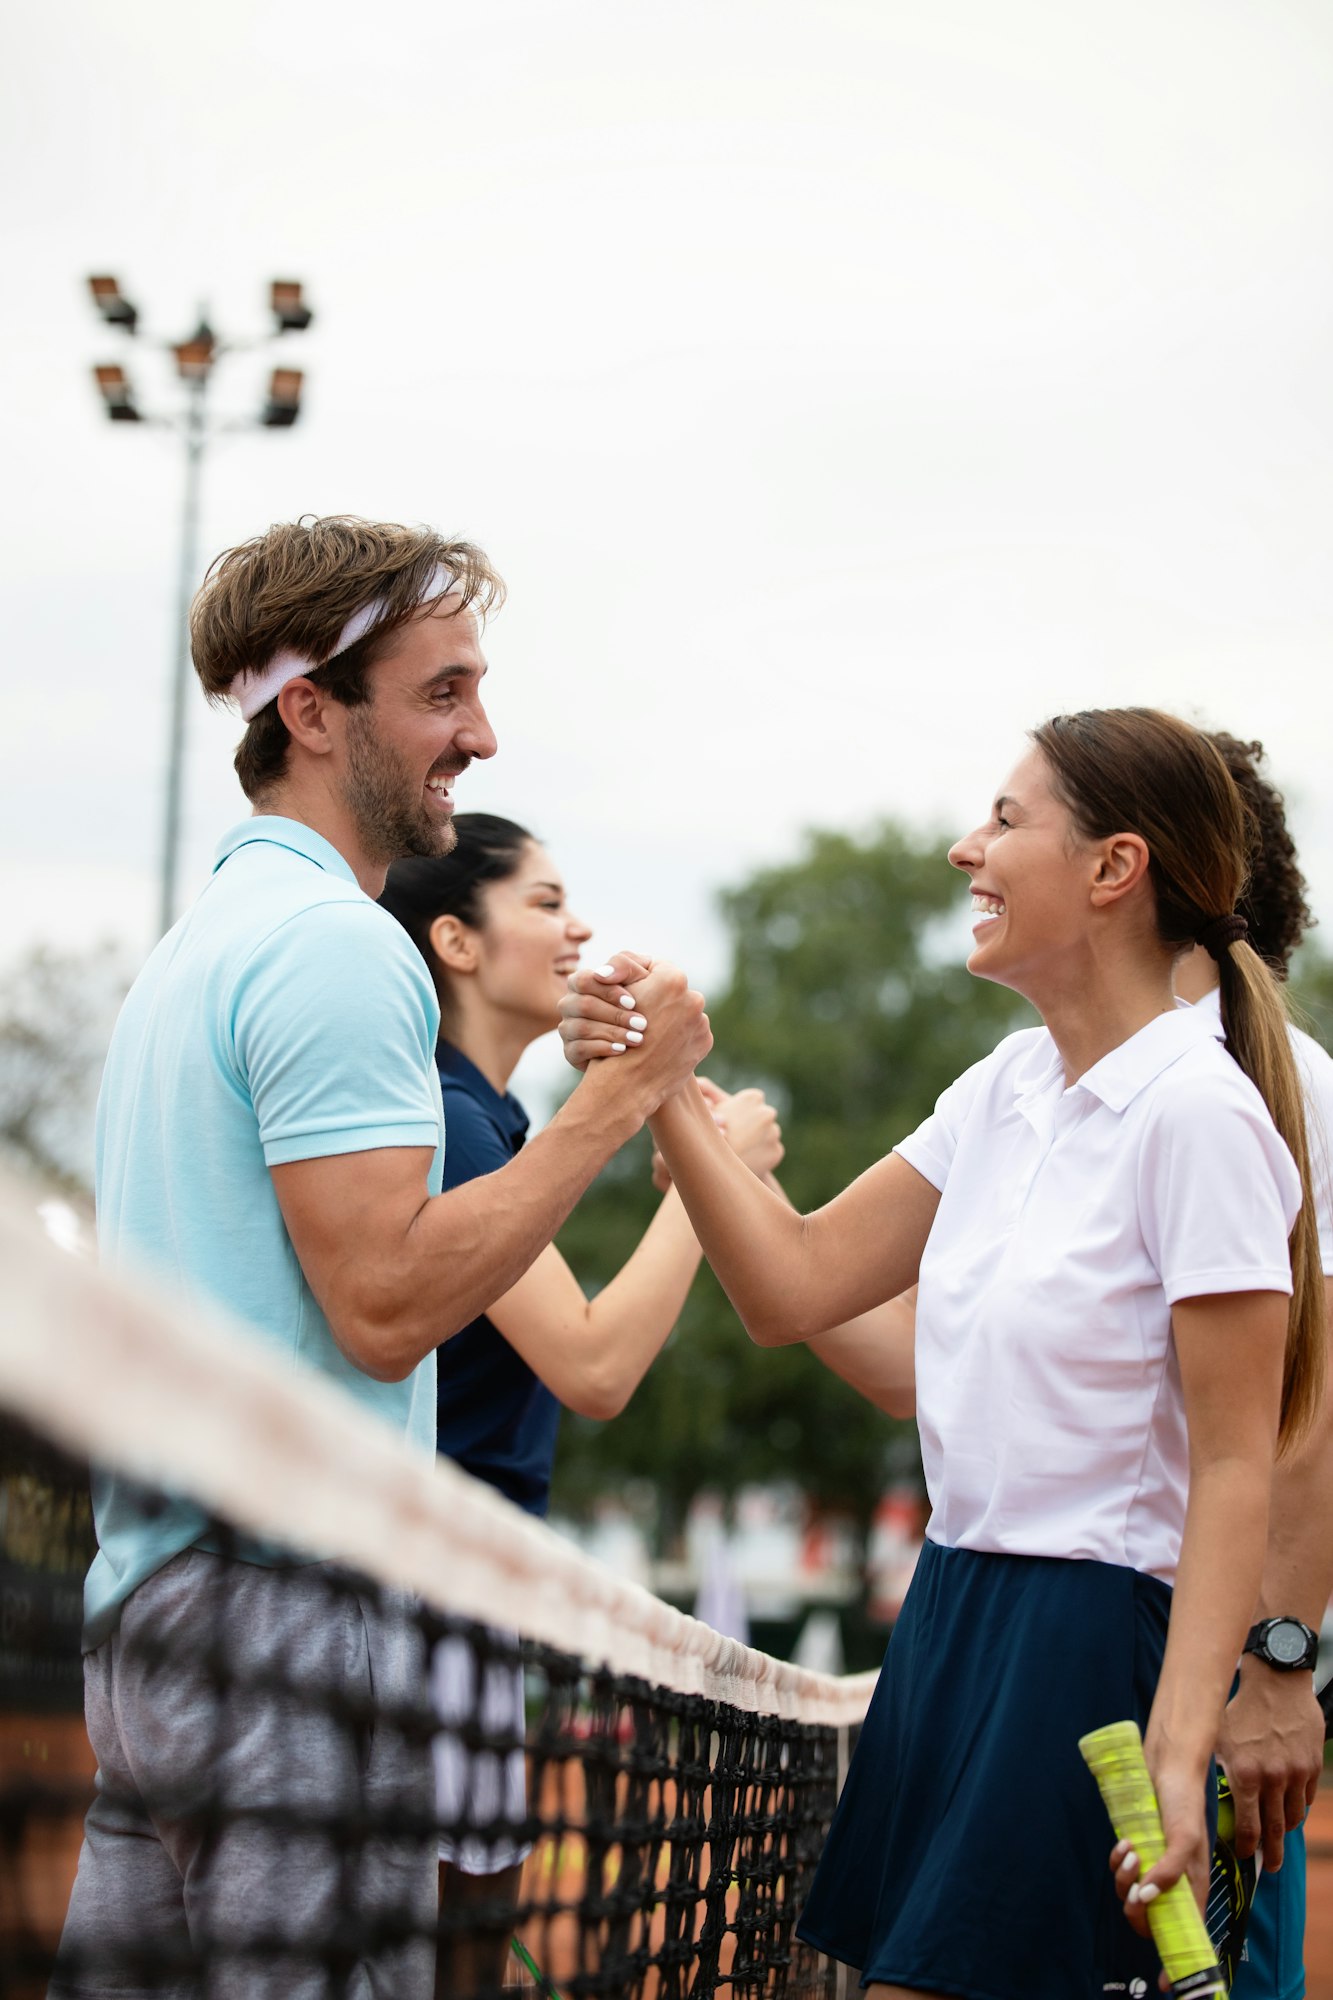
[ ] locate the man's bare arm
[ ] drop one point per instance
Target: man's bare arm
(396, 1271)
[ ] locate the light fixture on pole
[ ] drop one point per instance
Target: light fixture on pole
(196, 358)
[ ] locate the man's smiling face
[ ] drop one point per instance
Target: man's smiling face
(422, 726)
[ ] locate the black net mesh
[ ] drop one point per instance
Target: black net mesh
(288, 1753)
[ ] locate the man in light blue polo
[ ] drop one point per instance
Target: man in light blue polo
(270, 1139)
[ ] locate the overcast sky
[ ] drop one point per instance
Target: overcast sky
(840, 388)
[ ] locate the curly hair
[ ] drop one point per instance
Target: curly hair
(1273, 903)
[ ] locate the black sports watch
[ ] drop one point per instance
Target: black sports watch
(1284, 1643)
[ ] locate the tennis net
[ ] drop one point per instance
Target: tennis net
(625, 1802)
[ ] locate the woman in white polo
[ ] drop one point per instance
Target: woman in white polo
(1105, 1217)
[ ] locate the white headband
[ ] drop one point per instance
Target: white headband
(258, 686)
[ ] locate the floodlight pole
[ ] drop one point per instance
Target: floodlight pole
(196, 357)
(196, 436)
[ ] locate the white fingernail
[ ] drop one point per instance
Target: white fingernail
(1148, 1891)
(605, 972)
(1130, 1859)
(617, 1048)
(1133, 1895)
(635, 1020)
(633, 1035)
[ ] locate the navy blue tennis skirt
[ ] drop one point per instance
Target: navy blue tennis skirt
(969, 1851)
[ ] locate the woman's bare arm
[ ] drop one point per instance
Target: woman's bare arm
(593, 1353)
(875, 1354)
(791, 1276)
(1230, 1350)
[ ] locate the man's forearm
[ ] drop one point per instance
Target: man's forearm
(397, 1298)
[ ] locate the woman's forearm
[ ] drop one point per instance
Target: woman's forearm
(1298, 1569)
(1217, 1587)
(876, 1354)
(791, 1276)
(750, 1233)
(631, 1317)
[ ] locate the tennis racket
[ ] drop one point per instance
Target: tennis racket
(1231, 1886)
(1231, 1881)
(1114, 1755)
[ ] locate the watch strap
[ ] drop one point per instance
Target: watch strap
(1256, 1642)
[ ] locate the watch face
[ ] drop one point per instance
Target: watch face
(1286, 1641)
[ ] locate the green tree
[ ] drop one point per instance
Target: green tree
(56, 1013)
(1312, 992)
(849, 1001)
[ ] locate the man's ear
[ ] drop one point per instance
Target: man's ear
(1122, 865)
(304, 709)
(454, 944)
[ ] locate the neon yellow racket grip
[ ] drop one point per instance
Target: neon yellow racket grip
(1114, 1755)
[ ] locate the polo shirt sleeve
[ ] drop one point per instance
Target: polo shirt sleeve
(333, 1030)
(1218, 1191)
(931, 1148)
(1316, 1068)
(476, 1143)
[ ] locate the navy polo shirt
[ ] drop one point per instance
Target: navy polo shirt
(494, 1417)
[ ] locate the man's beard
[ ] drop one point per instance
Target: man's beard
(392, 818)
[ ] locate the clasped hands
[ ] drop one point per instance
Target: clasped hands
(643, 1012)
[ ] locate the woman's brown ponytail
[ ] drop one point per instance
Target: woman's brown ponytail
(1138, 770)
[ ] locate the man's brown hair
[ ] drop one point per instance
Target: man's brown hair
(295, 588)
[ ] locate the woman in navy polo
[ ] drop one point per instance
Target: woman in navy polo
(492, 923)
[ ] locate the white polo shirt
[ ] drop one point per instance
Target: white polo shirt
(1071, 1219)
(1316, 1067)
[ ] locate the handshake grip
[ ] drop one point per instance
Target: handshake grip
(649, 1016)
(1114, 1755)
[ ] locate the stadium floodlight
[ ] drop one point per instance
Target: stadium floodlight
(196, 358)
(289, 309)
(114, 386)
(284, 398)
(111, 302)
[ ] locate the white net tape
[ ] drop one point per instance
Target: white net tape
(174, 1394)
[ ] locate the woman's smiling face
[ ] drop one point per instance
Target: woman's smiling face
(529, 941)
(1031, 873)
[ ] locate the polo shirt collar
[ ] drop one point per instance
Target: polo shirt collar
(1122, 1073)
(275, 831)
(504, 1108)
(1211, 1004)
(1119, 1077)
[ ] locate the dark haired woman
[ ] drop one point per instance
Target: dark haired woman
(492, 922)
(1108, 1351)
(1272, 1741)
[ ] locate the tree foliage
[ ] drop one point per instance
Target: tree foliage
(1312, 992)
(56, 1012)
(849, 1001)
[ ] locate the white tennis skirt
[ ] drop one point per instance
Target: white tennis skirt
(481, 1795)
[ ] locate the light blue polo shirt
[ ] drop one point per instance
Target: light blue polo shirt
(285, 1017)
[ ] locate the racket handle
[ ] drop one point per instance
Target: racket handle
(1114, 1755)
